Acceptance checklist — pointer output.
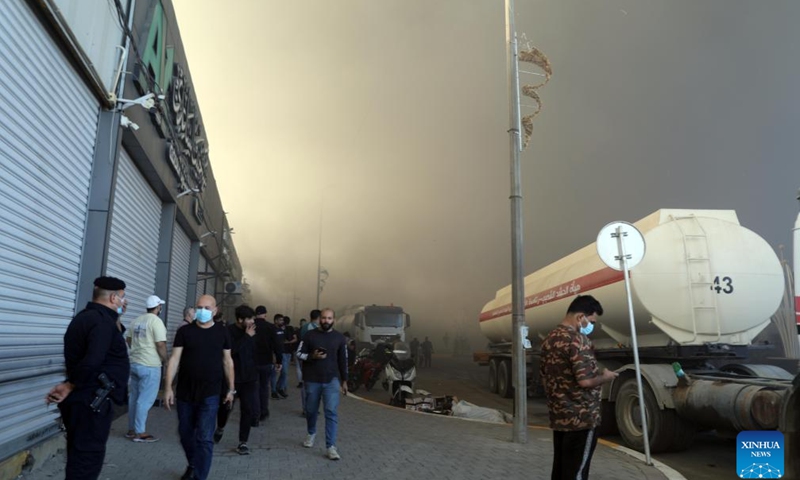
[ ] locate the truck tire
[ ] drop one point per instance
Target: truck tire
(493, 375)
(666, 430)
(504, 388)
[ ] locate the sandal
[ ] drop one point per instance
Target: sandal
(130, 434)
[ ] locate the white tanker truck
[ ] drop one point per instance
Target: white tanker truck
(705, 288)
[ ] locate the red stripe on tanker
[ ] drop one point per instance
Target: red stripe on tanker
(797, 309)
(580, 285)
(704, 279)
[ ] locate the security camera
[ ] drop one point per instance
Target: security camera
(127, 123)
(145, 101)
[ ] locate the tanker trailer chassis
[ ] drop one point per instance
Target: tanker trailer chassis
(728, 399)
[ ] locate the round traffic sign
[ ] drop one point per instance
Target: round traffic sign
(617, 237)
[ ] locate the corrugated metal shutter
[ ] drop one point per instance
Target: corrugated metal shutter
(133, 248)
(178, 282)
(48, 123)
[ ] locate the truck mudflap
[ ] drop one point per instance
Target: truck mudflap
(660, 377)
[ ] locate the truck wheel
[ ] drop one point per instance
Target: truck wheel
(608, 422)
(504, 388)
(666, 430)
(493, 375)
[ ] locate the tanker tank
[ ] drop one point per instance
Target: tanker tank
(704, 279)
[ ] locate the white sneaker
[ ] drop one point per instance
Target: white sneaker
(309, 442)
(333, 454)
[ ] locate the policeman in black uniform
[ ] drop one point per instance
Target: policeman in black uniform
(97, 373)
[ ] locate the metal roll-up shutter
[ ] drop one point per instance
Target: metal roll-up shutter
(133, 248)
(48, 125)
(178, 282)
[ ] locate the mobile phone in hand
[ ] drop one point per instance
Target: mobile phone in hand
(321, 350)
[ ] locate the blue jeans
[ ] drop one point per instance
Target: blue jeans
(196, 422)
(329, 394)
(279, 381)
(143, 391)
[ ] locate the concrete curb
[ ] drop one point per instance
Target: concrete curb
(668, 471)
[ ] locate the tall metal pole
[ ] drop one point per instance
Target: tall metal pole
(319, 257)
(642, 412)
(517, 286)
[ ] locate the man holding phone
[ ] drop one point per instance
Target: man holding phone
(324, 355)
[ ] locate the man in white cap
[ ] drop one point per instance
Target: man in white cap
(147, 339)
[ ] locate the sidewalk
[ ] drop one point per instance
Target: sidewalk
(375, 441)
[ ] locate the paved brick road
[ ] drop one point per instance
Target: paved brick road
(375, 442)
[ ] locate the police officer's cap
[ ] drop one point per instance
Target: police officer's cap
(109, 283)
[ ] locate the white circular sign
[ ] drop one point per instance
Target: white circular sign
(608, 245)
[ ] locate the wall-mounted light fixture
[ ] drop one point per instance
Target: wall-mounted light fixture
(187, 192)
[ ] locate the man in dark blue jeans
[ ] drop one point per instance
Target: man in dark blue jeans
(198, 349)
(324, 355)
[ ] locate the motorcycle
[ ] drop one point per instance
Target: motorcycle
(367, 368)
(400, 373)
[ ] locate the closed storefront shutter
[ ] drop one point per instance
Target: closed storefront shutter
(48, 124)
(178, 282)
(133, 248)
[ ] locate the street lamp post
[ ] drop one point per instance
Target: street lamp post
(520, 433)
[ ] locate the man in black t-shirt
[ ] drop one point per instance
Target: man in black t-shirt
(268, 359)
(202, 350)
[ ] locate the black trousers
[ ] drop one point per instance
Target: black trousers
(572, 454)
(87, 434)
(246, 393)
(265, 373)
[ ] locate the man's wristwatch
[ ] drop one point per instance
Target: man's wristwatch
(232, 392)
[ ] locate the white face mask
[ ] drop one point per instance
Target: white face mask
(588, 329)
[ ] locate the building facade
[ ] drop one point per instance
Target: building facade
(105, 170)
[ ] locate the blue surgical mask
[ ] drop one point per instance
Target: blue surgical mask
(203, 316)
(587, 329)
(119, 310)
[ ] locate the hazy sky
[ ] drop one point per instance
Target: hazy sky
(387, 120)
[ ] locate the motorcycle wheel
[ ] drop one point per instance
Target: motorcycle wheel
(352, 386)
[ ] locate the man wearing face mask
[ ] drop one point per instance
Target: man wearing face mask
(95, 355)
(202, 350)
(147, 339)
(572, 381)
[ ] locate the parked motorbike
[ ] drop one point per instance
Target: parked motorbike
(400, 373)
(368, 367)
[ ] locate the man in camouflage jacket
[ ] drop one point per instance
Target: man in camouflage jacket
(572, 383)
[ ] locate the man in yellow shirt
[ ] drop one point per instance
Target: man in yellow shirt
(147, 339)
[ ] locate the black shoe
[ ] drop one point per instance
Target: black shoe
(283, 393)
(242, 449)
(264, 415)
(188, 474)
(218, 434)
(275, 396)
